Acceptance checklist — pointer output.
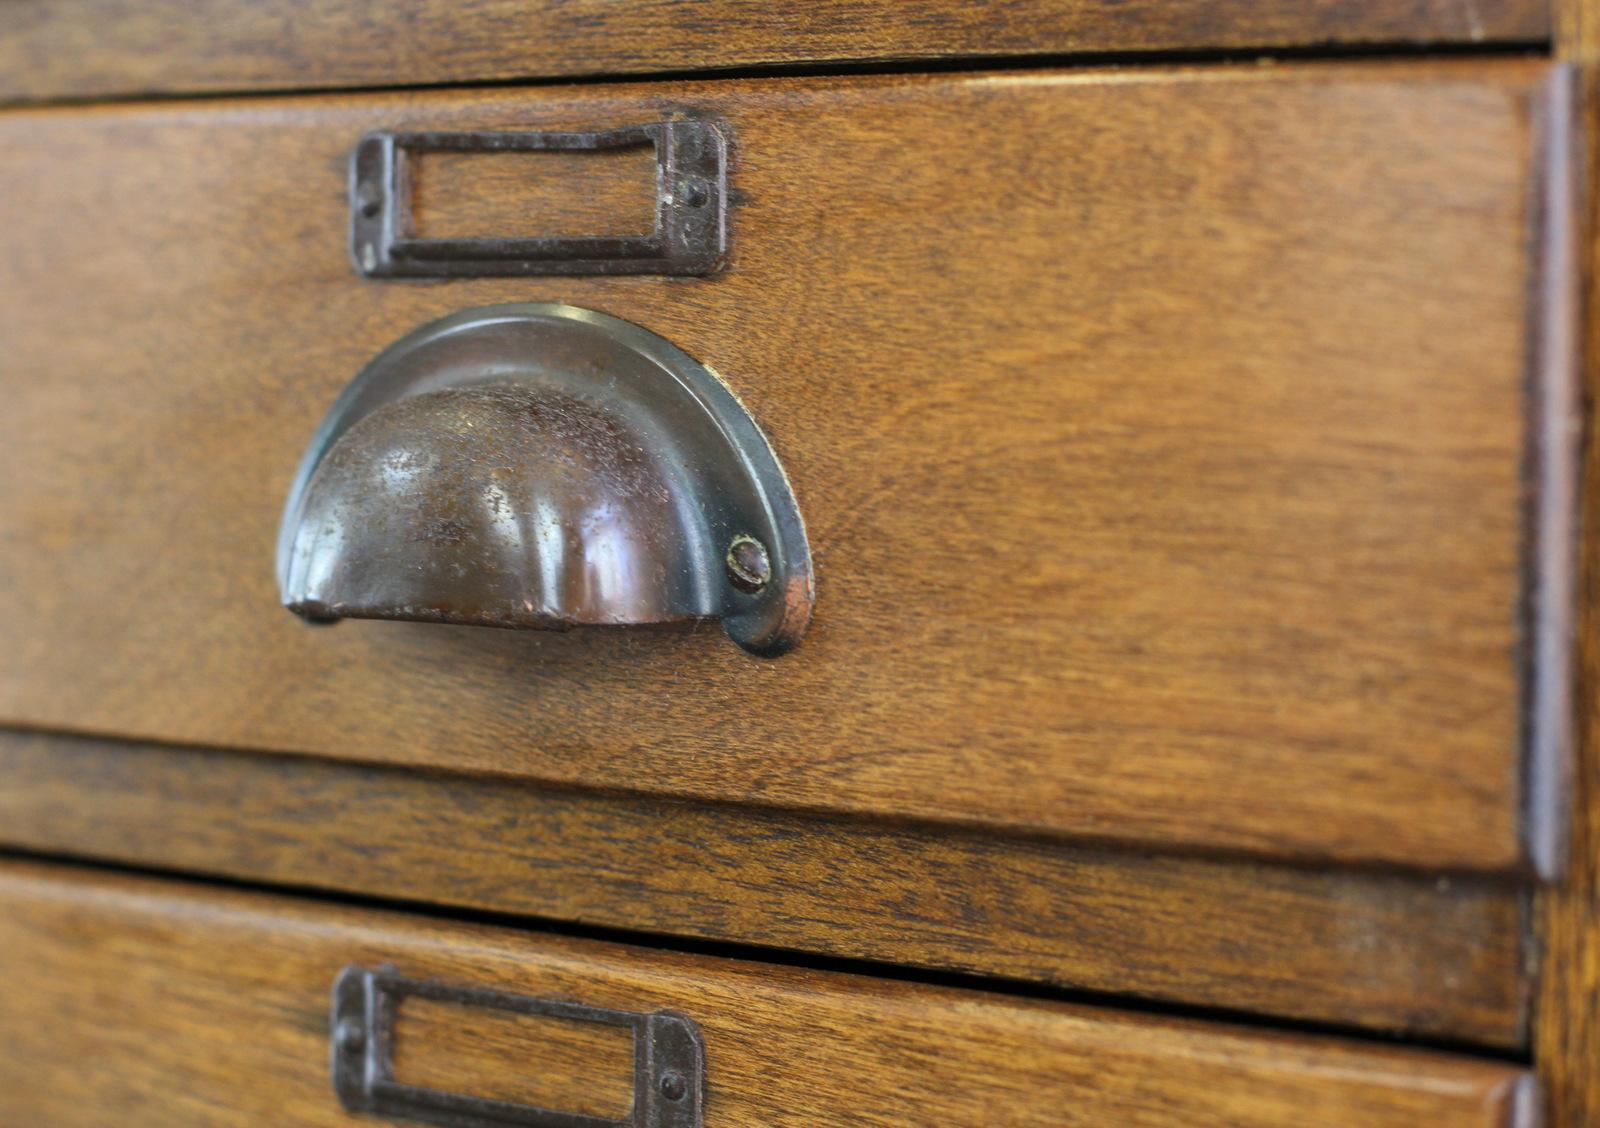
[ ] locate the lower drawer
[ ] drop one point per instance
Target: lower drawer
(137, 1001)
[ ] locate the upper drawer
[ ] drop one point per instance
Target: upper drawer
(1183, 455)
(84, 48)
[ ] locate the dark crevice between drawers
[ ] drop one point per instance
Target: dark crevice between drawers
(906, 66)
(789, 958)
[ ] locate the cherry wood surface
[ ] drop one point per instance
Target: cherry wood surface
(145, 1002)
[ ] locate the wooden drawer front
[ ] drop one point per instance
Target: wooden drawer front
(1445, 959)
(1163, 441)
(146, 1002)
(55, 48)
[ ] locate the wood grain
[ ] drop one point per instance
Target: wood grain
(581, 1067)
(1567, 1031)
(1160, 438)
(158, 1004)
(1440, 957)
(529, 195)
(95, 48)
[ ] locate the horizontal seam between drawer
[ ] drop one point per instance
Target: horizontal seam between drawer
(790, 958)
(909, 67)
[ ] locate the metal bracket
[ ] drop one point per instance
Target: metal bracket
(669, 1058)
(690, 235)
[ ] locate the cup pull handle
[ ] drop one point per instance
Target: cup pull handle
(540, 466)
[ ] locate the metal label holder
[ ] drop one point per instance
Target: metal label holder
(669, 1058)
(690, 235)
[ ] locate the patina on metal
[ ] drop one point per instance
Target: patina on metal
(668, 1054)
(547, 467)
(689, 236)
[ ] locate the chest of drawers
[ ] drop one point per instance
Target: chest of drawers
(1181, 425)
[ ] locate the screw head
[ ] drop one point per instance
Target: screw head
(350, 1036)
(368, 198)
(749, 566)
(673, 1086)
(696, 194)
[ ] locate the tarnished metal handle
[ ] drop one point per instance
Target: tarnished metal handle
(544, 466)
(668, 1075)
